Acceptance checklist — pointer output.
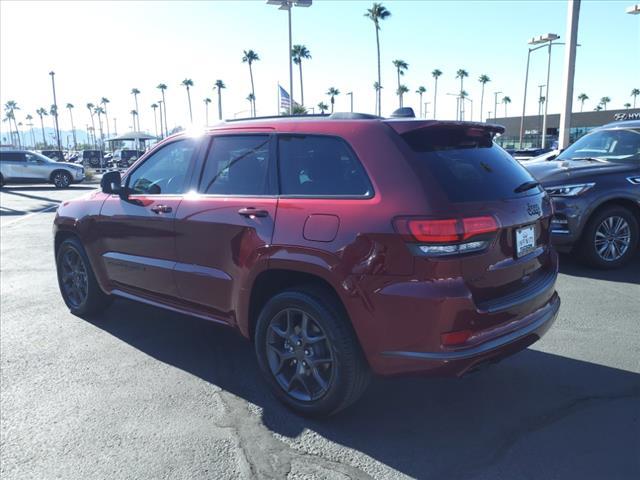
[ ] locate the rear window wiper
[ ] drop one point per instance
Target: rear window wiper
(526, 186)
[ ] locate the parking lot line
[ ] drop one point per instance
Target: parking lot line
(32, 214)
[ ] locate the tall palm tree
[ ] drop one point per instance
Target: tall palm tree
(627, 106)
(250, 98)
(70, 107)
(583, 97)
(377, 88)
(207, 101)
(21, 139)
(377, 13)
(634, 93)
(420, 91)
(53, 111)
(100, 111)
(333, 92)
(219, 86)
(10, 107)
(402, 89)
(506, 101)
(461, 74)
(134, 114)
(155, 117)
(248, 57)
(30, 125)
(42, 113)
(401, 67)
(103, 102)
(298, 53)
(483, 79)
(188, 83)
(435, 74)
(162, 87)
(8, 117)
(90, 107)
(135, 92)
(604, 101)
(322, 107)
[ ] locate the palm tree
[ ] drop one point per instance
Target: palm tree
(506, 101)
(100, 111)
(420, 91)
(298, 53)
(435, 74)
(604, 101)
(627, 105)
(248, 57)
(10, 107)
(135, 92)
(598, 108)
(582, 97)
(483, 79)
(377, 13)
(154, 106)
(332, 92)
(207, 101)
(401, 67)
(402, 89)
(219, 85)
(53, 111)
(462, 74)
(251, 97)
(8, 117)
(103, 102)
(134, 114)
(377, 88)
(634, 93)
(33, 137)
(41, 113)
(90, 107)
(70, 107)
(322, 107)
(299, 110)
(162, 87)
(188, 83)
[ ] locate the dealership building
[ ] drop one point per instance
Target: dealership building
(581, 123)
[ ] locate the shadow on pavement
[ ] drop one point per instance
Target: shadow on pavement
(570, 265)
(535, 415)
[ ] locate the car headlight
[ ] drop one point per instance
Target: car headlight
(569, 190)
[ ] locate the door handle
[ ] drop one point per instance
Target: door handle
(161, 209)
(252, 212)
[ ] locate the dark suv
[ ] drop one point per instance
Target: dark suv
(339, 245)
(595, 188)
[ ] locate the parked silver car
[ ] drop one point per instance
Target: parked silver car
(25, 166)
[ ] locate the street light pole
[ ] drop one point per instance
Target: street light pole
(55, 103)
(351, 95)
(495, 104)
(569, 72)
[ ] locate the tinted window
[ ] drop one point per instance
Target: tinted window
(237, 165)
(164, 172)
(320, 166)
(35, 158)
(466, 164)
(11, 157)
(612, 145)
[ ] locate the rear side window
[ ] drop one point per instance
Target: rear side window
(320, 166)
(237, 165)
(466, 164)
(11, 157)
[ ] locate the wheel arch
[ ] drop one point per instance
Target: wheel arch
(618, 201)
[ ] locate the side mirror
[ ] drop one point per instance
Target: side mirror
(112, 183)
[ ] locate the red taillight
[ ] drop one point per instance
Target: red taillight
(455, 338)
(450, 230)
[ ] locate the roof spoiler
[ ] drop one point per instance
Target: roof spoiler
(404, 126)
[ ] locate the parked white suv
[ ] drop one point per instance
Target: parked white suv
(25, 166)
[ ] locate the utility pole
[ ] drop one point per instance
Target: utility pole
(573, 15)
(55, 103)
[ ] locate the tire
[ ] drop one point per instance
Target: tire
(93, 299)
(623, 228)
(1, 181)
(331, 385)
(61, 179)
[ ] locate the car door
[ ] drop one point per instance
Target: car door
(37, 167)
(13, 165)
(221, 230)
(137, 235)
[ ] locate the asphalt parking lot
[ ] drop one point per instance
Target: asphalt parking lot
(143, 393)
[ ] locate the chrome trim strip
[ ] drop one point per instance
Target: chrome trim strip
(201, 270)
(147, 261)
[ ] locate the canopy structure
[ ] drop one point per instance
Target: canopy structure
(132, 136)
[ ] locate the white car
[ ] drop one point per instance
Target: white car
(25, 166)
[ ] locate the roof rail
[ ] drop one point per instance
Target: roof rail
(268, 117)
(333, 116)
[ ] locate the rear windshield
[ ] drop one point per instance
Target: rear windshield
(466, 164)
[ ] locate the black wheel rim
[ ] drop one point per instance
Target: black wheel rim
(299, 355)
(73, 276)
(612, 239)
(61, 180)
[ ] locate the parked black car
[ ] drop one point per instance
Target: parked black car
(56, 155)
(90, 158)
(595, 188)
(124, 157)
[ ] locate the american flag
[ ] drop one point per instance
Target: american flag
(285, 98)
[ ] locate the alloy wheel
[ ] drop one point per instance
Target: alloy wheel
(612, 238)
(61, 180)
(74, 279)
(299, 355)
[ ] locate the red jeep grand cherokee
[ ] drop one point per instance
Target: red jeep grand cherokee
(340, 245)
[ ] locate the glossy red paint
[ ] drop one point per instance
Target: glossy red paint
(204, 255)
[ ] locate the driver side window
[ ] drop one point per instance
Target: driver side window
(164, 172)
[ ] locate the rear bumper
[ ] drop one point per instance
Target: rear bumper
(458, 362)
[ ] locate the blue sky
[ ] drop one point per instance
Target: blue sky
(106, 48)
